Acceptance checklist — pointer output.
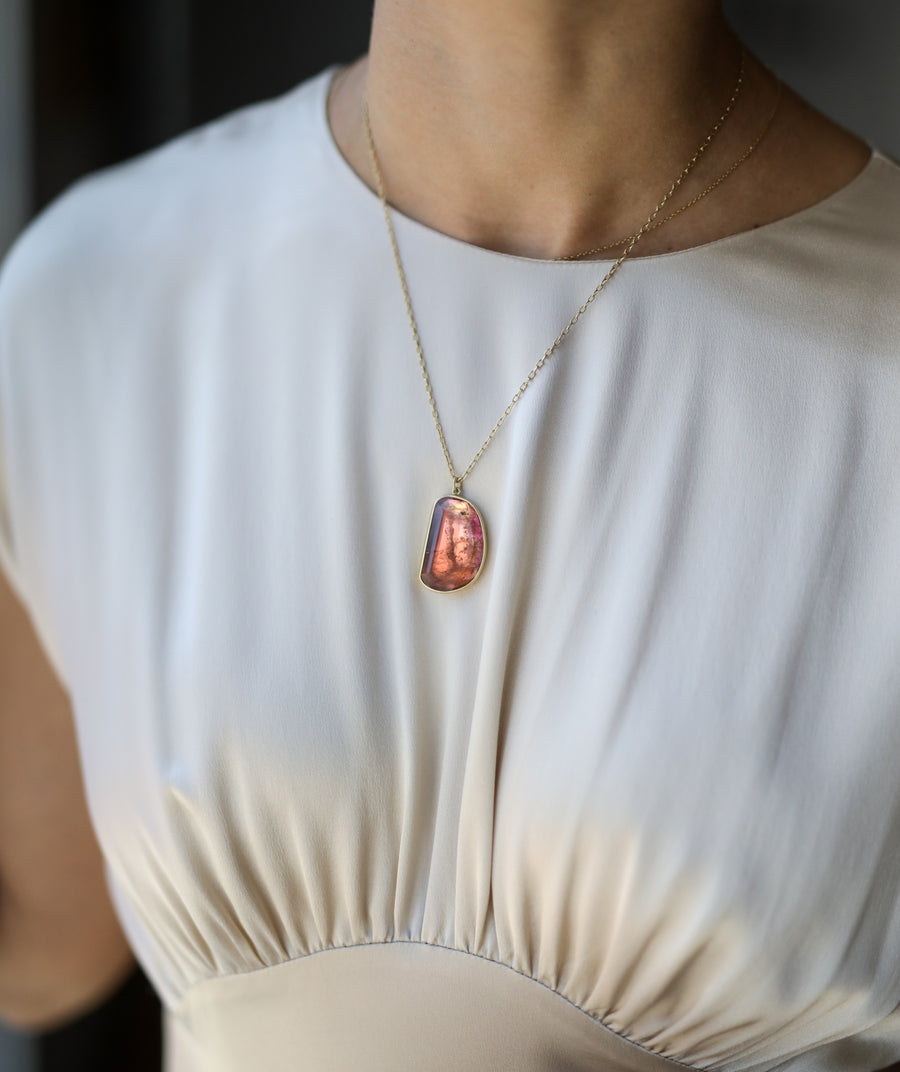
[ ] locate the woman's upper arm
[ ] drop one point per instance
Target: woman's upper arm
(61, 948)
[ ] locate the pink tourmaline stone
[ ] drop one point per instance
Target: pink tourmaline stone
(454, 550)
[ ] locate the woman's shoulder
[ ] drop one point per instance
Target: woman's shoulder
(873, 197)
(197, 191)
(858, 222)
(844, 194)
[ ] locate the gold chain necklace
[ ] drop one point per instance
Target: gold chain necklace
(727, 173)
(455, 543)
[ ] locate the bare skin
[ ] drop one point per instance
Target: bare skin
(546, 127)
(61, 949)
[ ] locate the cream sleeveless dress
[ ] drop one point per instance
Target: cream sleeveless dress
(631, 801)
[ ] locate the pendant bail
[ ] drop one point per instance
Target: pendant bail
(457, 485)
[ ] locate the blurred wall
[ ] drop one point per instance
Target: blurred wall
(842, 56)
(15, 112)
(18, 1053)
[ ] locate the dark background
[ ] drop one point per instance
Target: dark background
(116, 76)
(86, 83)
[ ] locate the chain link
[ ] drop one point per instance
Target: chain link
(747, 153)
(630, 243)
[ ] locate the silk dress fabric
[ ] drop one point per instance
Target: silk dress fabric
(631, 801)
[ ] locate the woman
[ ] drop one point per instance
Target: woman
(617, 786)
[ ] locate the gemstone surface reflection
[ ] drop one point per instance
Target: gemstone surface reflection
(454, 549)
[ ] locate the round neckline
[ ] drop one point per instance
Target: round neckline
(366, 194)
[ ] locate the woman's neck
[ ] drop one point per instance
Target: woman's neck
(574, 114)
(544, 127)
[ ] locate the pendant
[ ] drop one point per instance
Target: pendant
(454, 547)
